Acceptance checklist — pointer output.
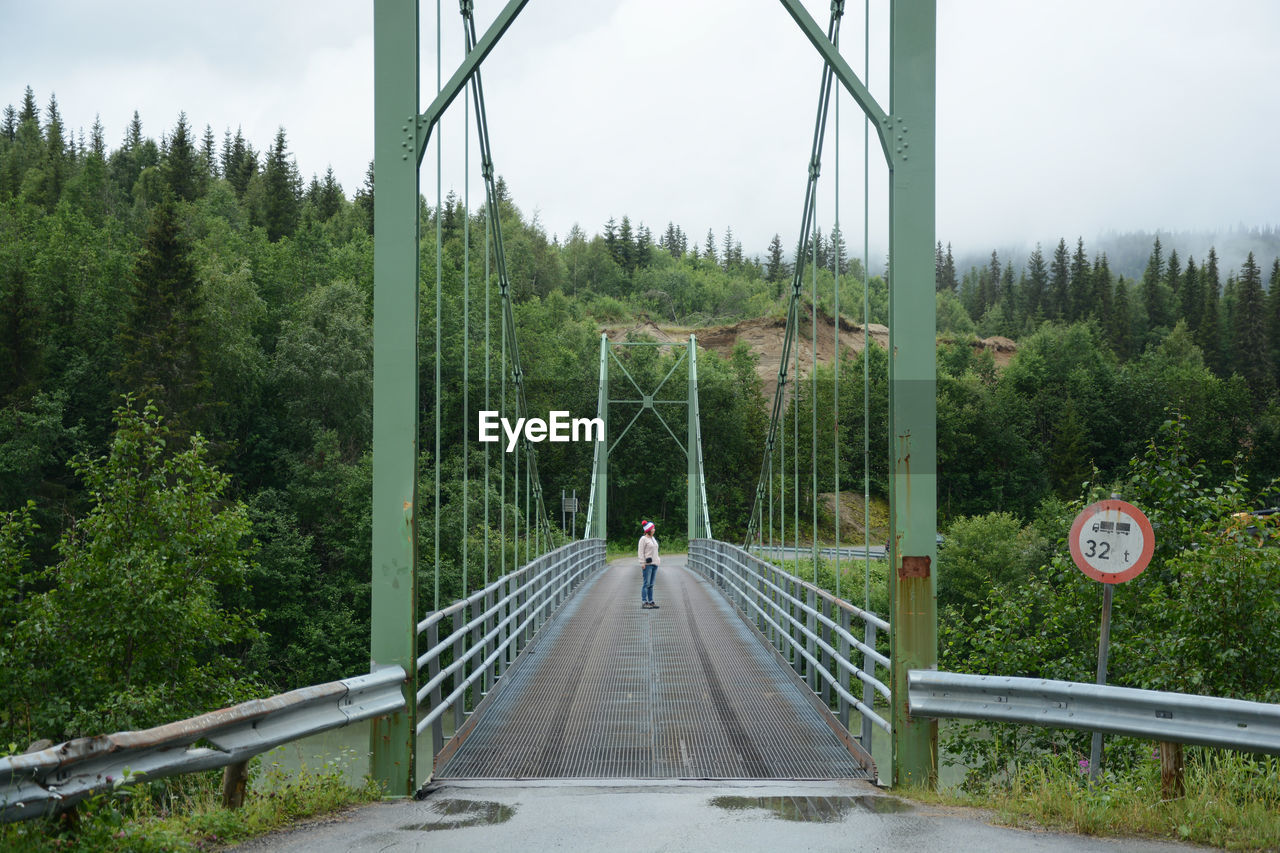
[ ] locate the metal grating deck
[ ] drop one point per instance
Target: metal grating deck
(609, 690)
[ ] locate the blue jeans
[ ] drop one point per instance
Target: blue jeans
(646, 588)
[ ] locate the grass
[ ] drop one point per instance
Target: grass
(1232, 801)
(186, 813)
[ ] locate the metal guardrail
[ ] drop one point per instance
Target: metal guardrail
(808, 626)
(1150, 714)
(489, 629)
(54, 779)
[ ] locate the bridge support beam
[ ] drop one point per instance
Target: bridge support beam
(394, 598)
(913, 499)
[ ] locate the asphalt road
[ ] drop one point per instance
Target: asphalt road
(627, 815)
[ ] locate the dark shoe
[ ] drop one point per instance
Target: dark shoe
(653, 606)
(644, 605)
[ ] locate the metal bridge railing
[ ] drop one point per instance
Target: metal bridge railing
(489, 629)
(809, 627)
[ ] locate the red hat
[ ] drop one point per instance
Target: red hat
(646, 526)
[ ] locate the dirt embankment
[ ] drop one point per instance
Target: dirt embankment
(765, 337)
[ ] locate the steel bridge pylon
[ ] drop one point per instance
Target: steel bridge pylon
(906, 131)
(699, 520)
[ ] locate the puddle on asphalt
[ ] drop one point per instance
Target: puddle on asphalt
(812, 809)
(456, 814)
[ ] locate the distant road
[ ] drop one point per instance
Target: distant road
(876, 552)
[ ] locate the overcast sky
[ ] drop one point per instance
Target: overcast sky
(1055, 117)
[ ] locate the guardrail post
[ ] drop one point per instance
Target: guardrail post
(234, 778)
(1172, 785)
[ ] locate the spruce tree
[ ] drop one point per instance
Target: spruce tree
(9, 125)
(1191, 295)
(282, 186)
(1035, 291)
(626, 246)
(1209, 333)
(1081, 287)
(1120, 328)
(208, 157)
(182, 166)
(1173, 285)
(1101, 301)
(160, 339)
(1273, 316)
(776, 269)
(710, 251)
(1059, 284)
(1251, 349)
(1153, 289)
(949, 271)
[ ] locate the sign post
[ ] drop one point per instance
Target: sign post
(1111, 541)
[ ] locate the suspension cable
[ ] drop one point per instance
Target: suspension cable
(504, 282)
(797, 279)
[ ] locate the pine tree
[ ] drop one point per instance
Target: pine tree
(949, 271)
(282, 191)
(160, 339)
(21, 337)
(1191, 296)
(1101, 301)
(728, 247)
(989, 294)
(30, 112)
(839, 251)
(1009, 296)
(241, 165)
(1059, 284)
(9, 125)
(1173, 285)
(208, 158)
(776, 270)
(937, 267)
(710, 251)
(1081, 288)
(57, 167)
(181, 166)
(1209, 333)
(1036, 288)
(1251, 349)
(364, 198)
(671, 242)
(626, 245)
(1121, 326)
(1153, 289)
(330, 198)
(1273, 315)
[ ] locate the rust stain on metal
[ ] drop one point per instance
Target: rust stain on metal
(914, 567)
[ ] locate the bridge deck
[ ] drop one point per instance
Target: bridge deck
(686, 691)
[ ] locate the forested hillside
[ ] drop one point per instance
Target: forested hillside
(186, 391)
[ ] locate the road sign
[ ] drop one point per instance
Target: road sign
(1111, 541)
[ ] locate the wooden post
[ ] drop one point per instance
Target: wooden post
(234, 778)
(1172, 784)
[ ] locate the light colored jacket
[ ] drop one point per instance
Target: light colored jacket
(648, 548)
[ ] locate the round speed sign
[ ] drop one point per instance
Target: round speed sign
(1111, 541)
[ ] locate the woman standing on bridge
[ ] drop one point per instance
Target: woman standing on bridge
(648, 554)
